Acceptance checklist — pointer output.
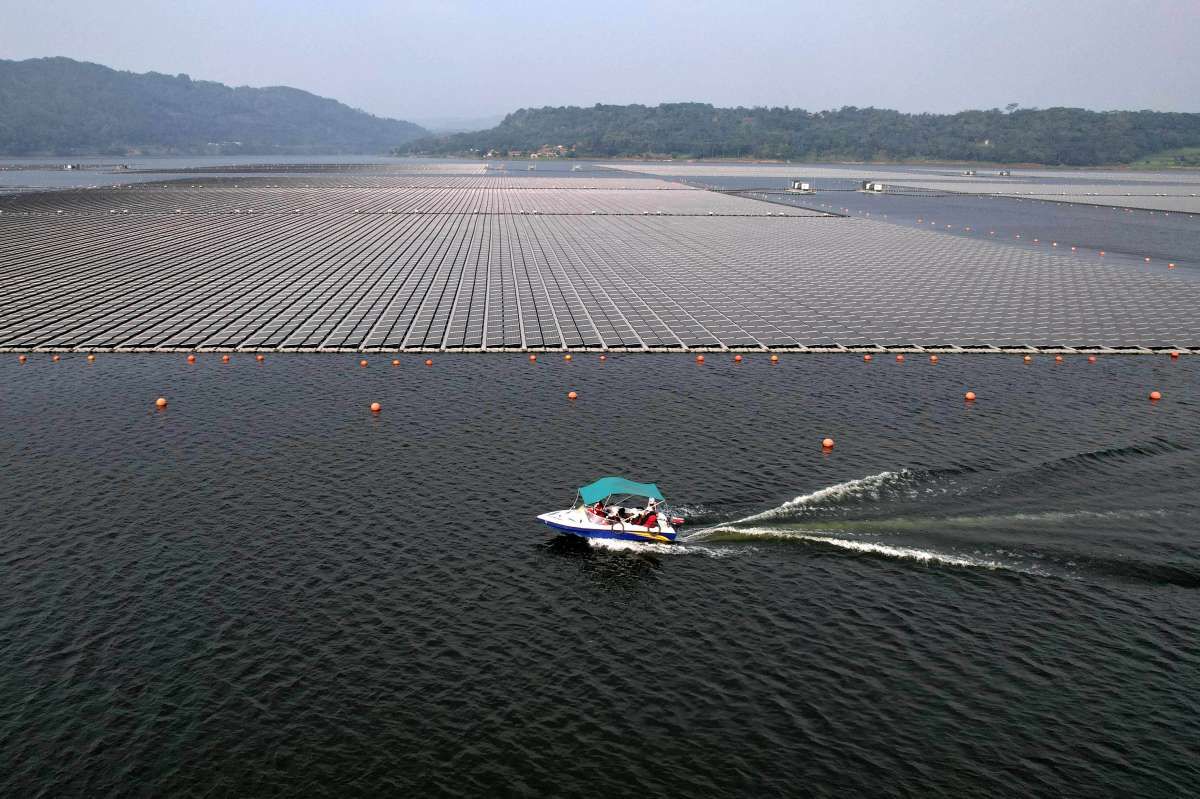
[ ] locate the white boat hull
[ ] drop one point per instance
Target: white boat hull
(576, 521)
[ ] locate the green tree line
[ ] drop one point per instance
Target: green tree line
(1068, 136)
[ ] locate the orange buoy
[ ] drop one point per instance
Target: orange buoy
(224, 359)
(567, 357)
(737, 359)
(363, 362)
(969, 396)
(21, 359)
(1174, 354)
(1028, 359)
(867, 357)
(774, 359)
(571, 395)
(260, 357)
(933, 359)
(1155, 396)
(376, 407)
(532, 358)
(604, 357)
(900, 358)
(827, 444)
(699, 359)
(54, 358)
(161, 402)
(1170, 266)
(1102, 252)
(1058, 359)
(395, 361)
(91, 358)
(429, 361)
(1091, 359)
(191, 359)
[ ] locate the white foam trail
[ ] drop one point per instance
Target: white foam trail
(617, 545)
(908, 553)
(869, 485)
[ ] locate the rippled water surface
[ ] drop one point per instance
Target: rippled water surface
(264, 589)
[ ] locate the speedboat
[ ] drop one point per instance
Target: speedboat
(613, 507)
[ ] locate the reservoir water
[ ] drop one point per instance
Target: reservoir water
(266, 590)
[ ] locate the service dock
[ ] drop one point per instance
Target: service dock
(457, 257)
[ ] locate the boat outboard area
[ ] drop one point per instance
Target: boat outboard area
(616, 508)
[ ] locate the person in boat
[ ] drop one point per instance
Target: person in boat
(649, 518)
(597, 509)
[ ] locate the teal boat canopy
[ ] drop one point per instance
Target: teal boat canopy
(607, 486)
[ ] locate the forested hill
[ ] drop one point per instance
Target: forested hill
(60, 106)
(1070, 136)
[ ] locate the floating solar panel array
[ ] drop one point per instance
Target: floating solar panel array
(1160, 191)
(404, 166)
(1148, 196)
(432, 262)
(480, 195)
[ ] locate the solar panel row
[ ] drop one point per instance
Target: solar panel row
(454, 277)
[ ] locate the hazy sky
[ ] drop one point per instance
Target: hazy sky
(466, 59)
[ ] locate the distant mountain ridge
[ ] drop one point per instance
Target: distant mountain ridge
(1067, 136)
(59, 106)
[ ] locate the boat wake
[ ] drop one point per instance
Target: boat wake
(964, 518)
(650, 548)
(869, 488)
(730, 534)
(903, 484)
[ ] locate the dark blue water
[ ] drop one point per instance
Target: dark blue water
(266, 590)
